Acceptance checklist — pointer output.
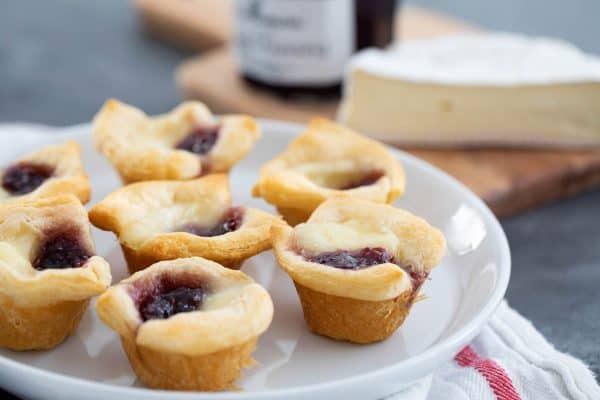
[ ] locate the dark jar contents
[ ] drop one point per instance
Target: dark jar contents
(299, 48)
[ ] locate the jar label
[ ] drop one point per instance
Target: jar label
(294, 42)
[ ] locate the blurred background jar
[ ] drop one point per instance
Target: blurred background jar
(299, 48)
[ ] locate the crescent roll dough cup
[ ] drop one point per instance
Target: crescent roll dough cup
(50, 171)
(358, 266)
(326, 161)
(204, 340)
(48, 271)
(183, 144)
(163, 220)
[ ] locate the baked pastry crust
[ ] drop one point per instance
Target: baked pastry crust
(358, 321)
(68, 175)
(317, 166)
(146, 216)
(197, 350)
(417, 244)
(366, 304)
(40, 308)
(142, 148)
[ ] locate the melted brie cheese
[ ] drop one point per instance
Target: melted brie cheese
(167, 219)
(221, 299)
(330, 174)
(324, 237)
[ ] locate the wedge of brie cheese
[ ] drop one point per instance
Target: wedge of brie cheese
(478, 89)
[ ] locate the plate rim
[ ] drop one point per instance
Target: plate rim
(457, 339)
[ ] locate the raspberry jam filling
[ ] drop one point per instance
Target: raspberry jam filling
(164, 297)
(165, 305)
(200, 141)
(61, 250)
(357, 259)
(417, 277)
(231, 221)
(364, 258)
(365, 180)
(24, 177)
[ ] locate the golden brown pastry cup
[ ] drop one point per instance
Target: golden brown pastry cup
(353, 320)
(139, 260)
(294, 216)
(136, 260)
(125, 180)
(207, 372)
(126, 136)
(38, 328)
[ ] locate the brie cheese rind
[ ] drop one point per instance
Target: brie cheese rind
(478, 89)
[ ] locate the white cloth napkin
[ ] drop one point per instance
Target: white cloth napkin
(509, 360)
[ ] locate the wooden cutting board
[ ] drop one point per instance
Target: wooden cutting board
(509, 180)
(191, 24)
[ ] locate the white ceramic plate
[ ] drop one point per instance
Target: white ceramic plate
(294, 364)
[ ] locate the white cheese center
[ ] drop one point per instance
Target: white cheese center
(339, 174)
(324, 237)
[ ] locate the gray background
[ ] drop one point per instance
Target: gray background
(60, 59)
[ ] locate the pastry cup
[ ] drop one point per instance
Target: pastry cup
(38, 328)
(143, 148)
(202, 350)
(328, 161)
(354, 320)
(369, 302)
(43, 295)
(59, 169)
(153, 221)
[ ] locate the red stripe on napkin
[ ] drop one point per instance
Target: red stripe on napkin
(494, 374)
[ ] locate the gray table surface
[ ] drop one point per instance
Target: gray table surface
(59, 61)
